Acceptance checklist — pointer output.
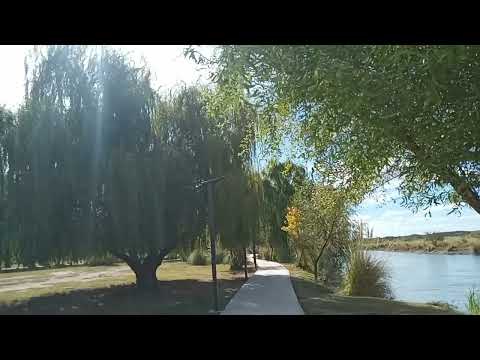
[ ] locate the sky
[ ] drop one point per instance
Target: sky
(383, 212)
(168, 65)
(170, 68)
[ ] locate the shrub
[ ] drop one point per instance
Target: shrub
(223, 257)
(236, 259)
(330, 265)
(173, 255)
(476, 248)
(366, 276)
(197, 257)
(102, 260)
(264, 253)
(473, 302)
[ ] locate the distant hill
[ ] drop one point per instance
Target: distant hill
(475, 233)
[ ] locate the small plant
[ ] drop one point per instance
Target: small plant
(452, 248)
(366, 276)
(197, 257)
(476, 248)
(223, 257)
(473, 302)
(183, 255)
(103, 260)
(236, 259)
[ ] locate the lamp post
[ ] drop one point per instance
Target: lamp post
(213, 232)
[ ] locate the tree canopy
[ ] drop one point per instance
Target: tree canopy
(368, 114)
(96, 161)
(280, 182)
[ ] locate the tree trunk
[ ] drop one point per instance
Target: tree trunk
(467, 193)
(254, 255)
(315, 265)
(145, 270)
(317, 259)
(245, 262)
(301, 260)
(146, 277)
(451, 176)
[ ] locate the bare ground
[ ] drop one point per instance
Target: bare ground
(49, 278)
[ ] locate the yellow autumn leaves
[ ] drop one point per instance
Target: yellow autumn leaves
(293, 223)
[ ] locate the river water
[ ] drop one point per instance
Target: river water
(432, 277)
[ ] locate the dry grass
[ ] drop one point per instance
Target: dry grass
(366, 276)
(183, 289)
(317, 299)
(467, 243)
(476, 248)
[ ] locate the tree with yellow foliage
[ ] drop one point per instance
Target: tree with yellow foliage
(319, 221)
(292, 228)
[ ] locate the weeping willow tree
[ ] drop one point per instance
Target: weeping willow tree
(221, 144)
(280, 182)
(239, 196)
(96, 164)
(238, 209)
(7, 120)
(184, 123)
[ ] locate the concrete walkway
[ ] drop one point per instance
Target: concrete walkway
(268, 292)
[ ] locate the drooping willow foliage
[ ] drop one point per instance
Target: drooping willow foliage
(280, 181)
(239, 195)
(85, 165)
(6, 125)
(96, 162)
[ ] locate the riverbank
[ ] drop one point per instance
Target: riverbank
(317, 299)
(466, 243)
(426, 250)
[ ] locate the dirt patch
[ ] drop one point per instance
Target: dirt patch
(19, 283)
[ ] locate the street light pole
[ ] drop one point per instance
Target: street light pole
(213, 233)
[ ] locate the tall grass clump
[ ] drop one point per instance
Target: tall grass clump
(197, 257)
(223, 257)
(476, 248)
(473, 302)
(366, 276)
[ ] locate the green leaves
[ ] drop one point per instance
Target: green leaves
(415, 106)
(97, 162)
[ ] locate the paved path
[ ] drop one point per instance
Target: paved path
(268, 292)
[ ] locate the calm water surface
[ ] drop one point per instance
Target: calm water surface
(432, 277)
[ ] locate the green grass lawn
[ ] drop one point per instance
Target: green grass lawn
(317, 299)
(183, 289)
